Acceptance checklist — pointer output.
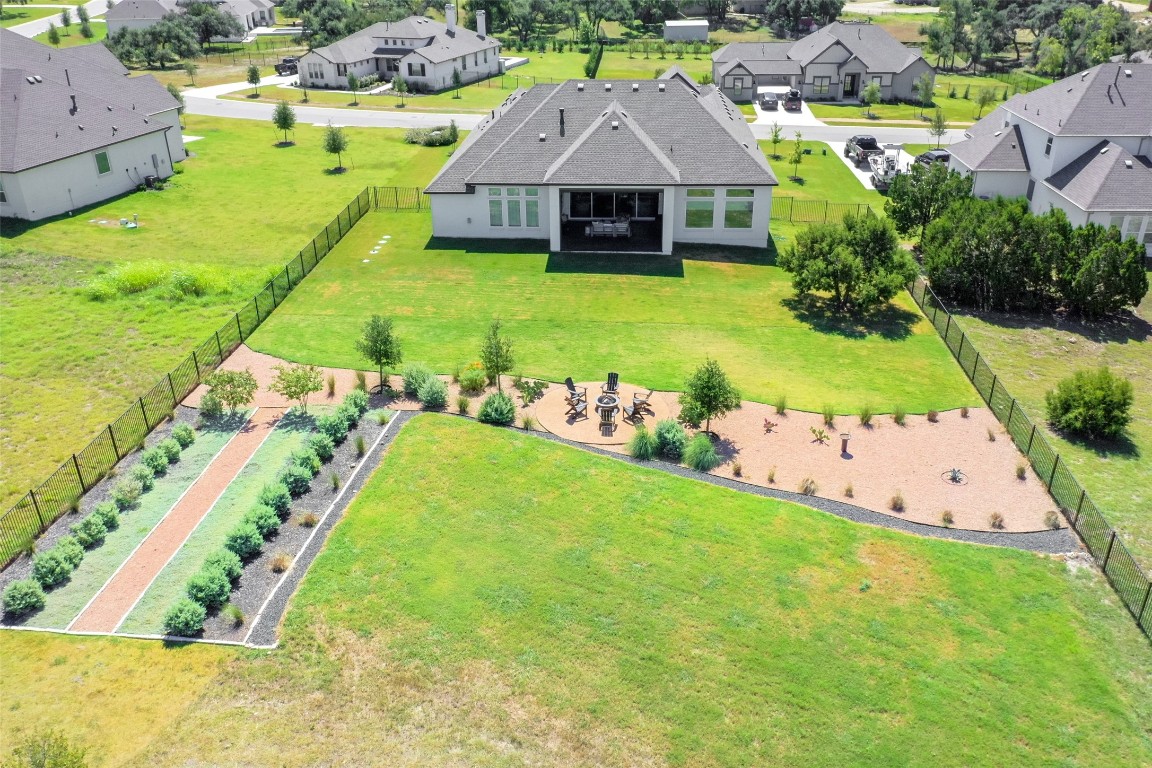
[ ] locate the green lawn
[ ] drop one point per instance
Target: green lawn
(1032, 354)
(99, 32)
(72, 364)
(618, 65)
(822, 174)
(15, 14)
(653, 319)
(474, 622)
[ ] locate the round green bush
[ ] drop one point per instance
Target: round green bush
(701, 454)
(643, 444)
(210, 587)
(349, 414)
(51, 568)
(296, 480)
(413, 375)
(245, 540)
(227, 561)
(306, 460)
(90, 531)
(433, 393)
(278, 498)
(357, 399)
(156, 460)
(145, 475)
(321, 445)
(108, 515)
(171, 450)
(264, 518)
(692, 412)
(70, 550)
(1093, 404)
(671, 439)
(333, 426)
(185, 619)
(126, 493)
(23, 597)
(184, 434)
(497, 408)
(473, 380)
(210, 406)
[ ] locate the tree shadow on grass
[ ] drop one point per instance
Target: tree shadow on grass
(640, 264)
(1121, 328)
(818, 313)
(1120, 447)
(225, 422)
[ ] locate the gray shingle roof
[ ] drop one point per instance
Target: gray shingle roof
(1001, 150)
(1102, 101)
(140, 10)
(439, 45)
(672, 137)
(870, 43)
(1106, 178)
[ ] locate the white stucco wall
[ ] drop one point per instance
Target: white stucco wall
(467, 215)
(115, 26)
(72, 183)
(1000, 184)
(437, 77)
(756, 237)
(175, 135)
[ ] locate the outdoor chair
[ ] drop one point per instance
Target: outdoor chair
(640, 400)
(633, 413)
(577, 409)
(575, 394)
(613, 385)
(608, 416)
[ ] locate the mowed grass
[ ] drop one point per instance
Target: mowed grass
(72, 364)
(1031, 355)
(653, 319)
(583, 612)
(619, 65)
(15, 14)
(98, 27)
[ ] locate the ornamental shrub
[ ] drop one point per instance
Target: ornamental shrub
(1092, 404)
(127, 492)
(185, 619)
(278, 498)
(245, 540)
(227, 561)
(306, 460)
(433, 393)
(296, 480)
(413, 375)
(473, 379)
(264, 518)
(155, 459)
(497, 408)
(670, 439)
(333, 426)
(184, 434)
(70, 550)
(108, 515)
(349, 414)
(51, 568)
(171, 450)
(145, 475)
(210, 587)
(643, 444)
(90, 531)
(357, 399)
(701, 454)
(210, 406)
(22, 597)
(321, 445)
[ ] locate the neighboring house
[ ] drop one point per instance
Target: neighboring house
(690, 30)
(75, 129)
(425, 52)
(615, 165)
(140, 14)
(1082, 144)
(833, 64)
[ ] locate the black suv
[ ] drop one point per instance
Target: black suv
(792, 101)
(934, 156)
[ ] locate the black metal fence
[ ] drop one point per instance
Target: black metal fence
(803, 211)
(397, 198)
(1122, 570)
(63, 489)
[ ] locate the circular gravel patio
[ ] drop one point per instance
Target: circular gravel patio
(552, 414)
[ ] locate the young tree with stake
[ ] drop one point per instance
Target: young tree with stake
(190, 69)
(924, 91)
(53, 34)
(496, 354)
(297, 382)
(254, 79)
(457, 82)
(400, 86)
(797, 156)
(232, 388)
(354, 86)
(284, 118)
(66, 20)
(939, 126)
(336, 143)
(378, 344)
(870, 96)
(776, 137)
(708, 394)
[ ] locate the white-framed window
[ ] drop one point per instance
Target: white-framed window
(514, 212)
(737, 85)
(496, 213)
(820, 85)
(738, 208)
(464, 63)
(3, 197)
(102, 164)
(700, 208)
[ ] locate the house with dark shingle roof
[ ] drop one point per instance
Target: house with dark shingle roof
(609, 165)
(423, 51)
(834, 63)
(1082, 144)
(75, 129)
(141, 14)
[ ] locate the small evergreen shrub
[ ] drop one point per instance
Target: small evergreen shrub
(671, 439)
(245, 540)
(277, 497)
(51, 568)
(497, 408)
(210, 587)
(332, 426)
(643, 444)
(70, 550)
(184, 434)
(23, 597)
(349, 414)
(1093, 404)
(296, 480)
(156, 460)
(145, 475)
(321, 445)
(90, 531)
(264, 518)
(210, 406)
(171, 450)
(358, 399)
(226, 561)
(413, 375)
(185, 619)
(306, 460)
(433, 393)
(108, 515)
(126, 493)
(700, 454)
(473, 379)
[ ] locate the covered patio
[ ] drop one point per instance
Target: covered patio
(613, 220)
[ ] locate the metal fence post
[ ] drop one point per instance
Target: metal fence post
(975, 363)
(36, 506)
(275, 301)
(1079, 506)
(1144, 607)
(288, 277)
(1052, 477)
(960, 351)
(196, 362)
(1108, 554)
(992, 392)
(239, 328)
(79, 474)
(1011, 410)
(302, 271)
(144, 411)
(1031, 437)
(115, 447)
(172, 389)
(947, 327)
(219, 347)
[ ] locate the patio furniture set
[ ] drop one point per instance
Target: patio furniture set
(607, 402)
(621, 227)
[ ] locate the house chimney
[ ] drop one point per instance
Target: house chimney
(481, 23)
(561, 121)
(450, 17)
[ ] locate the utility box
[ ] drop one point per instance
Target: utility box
(686, 30)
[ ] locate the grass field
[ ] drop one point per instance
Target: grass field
(1032, 354)
(71, 364)
(99, 32)
(957, 111)
(669, 622)
(15, 14)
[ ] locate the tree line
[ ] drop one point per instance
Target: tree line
(175, 37)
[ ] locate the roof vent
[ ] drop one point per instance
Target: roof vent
(635, 87)
(543, 136)
(31, 80)
(607, 86)
(39, 79)
(661, 87)
(580, 87)
(80, 127)
(109, 107)
(1127, 73)
(1128, 164)
(615, 125)
(1104, 151)
(998, 133)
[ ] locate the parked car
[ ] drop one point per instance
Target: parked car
(769, 101)
(934, 156)
(860, 148)
(792, 100)
(289, 65)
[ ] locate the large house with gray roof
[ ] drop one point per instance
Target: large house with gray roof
(1082, 144)
(834, 63)
(141, 14)
(75, 129)
(616, 165)
(423, 51)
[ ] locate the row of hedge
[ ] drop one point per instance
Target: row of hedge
(54, 566)
(211, 587)
(592, 65)
(670, 441)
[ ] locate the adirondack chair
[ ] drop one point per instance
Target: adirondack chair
(640, 400)
(575, 394)
(633, 413)
(608, 416)
(577, 409)
(613, 385)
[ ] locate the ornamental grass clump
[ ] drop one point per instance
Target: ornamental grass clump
(23, 597)
(1052, 519)
(185, 618)
(463, 404)
(497, 408)
(899, 415)
(671, 439)
(866, 414)
(361, 445)
(781, 405)
(700, 454)
(808, 487)
(829, 414)
(996, 520)
(896, 503)
(643, 445)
